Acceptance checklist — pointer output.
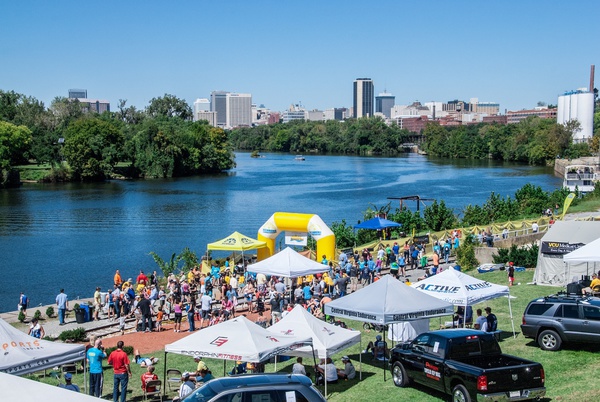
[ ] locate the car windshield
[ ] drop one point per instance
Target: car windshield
(202, 394)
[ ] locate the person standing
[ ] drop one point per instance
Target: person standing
(511, 273)
(146, 312)
(206, 306)
(94, 357)
(23, 303)
(117, 279)
(120, 362)
(62, 301)
(97, 303)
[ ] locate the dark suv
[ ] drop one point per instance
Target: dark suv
(257, 387)
(560, 318)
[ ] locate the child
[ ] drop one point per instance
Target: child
(159, 318)
(122, 322)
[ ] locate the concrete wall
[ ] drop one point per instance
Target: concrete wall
(484, 254)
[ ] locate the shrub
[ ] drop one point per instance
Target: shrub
(465, 254)
(74, 335)
(50, 312)
(37, 315)
(521, 256)
(126, 349)
(21, 316)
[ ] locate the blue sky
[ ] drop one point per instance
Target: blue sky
(512, 52)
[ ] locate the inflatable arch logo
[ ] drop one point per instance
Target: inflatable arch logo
(310, 223)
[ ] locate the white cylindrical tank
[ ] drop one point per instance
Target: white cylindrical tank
(577, 105)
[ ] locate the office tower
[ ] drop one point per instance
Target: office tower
(233, 109)
(77, 93)
(384, 103)
(363, 97)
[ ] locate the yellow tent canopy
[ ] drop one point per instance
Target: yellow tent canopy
(238, 242)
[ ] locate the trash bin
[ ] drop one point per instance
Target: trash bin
(86, 310)
(80, 316)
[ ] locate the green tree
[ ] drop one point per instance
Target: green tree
(169, 106)
(92, 147)
(439, 217)
(344, 234)
(167, 267)
(14, 142)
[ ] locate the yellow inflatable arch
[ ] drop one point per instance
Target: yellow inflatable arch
(310, 223)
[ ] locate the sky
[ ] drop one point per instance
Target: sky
(515, 52)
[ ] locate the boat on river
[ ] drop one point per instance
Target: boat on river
(581, 177)
(299, 158)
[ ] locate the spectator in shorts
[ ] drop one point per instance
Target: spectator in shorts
(178, 310)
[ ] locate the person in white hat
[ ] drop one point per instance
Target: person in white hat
(187, 386)
(349, 372)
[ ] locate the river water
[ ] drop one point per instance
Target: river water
(74, 236)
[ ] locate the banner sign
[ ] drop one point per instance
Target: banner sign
(557, 247)
(296, 238)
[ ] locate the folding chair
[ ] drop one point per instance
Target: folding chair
(153, 384)
(173, 379)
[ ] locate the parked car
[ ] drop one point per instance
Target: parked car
(468, 365)
(257, 387)
(556, 319)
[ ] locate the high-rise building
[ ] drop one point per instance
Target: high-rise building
(577, 105)
(201, 106)
(233, 109)
(363, 97)
(384, 103)
(77, 93)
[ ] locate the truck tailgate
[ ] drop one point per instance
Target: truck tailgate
(515, 378)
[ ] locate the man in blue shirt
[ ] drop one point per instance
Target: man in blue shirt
(62, 302)
(94, 358)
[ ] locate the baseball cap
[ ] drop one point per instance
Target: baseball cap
(186, 374)
(345, 358)
(378, 337)
(68, 376)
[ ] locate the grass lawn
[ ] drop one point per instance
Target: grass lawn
(568, 371)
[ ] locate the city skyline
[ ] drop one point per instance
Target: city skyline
(515, 53)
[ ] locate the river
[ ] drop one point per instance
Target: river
(74, 236)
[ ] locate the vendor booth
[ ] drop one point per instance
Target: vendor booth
(563, 238)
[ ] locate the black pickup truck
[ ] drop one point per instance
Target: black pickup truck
(468, 365)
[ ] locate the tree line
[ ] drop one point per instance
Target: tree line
(535, 140)
(530, 201)
(365, 136)
(159, 141)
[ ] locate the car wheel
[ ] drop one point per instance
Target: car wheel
(549, 340)
(399, 375)
(460, 394)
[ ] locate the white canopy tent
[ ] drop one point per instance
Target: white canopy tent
(461, 289)
(23, 354)
(563, 238)
(327, 339)
(387, 301)
(236, 339)
(15, 388)
(588, 253)
(287, 263)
